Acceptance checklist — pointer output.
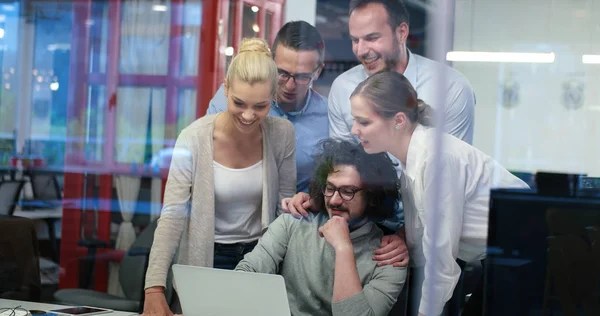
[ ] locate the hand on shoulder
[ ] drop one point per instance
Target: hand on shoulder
(297, 205)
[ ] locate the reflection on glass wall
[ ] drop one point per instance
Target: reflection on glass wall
(94, 94)
(92, 97)
(229, 51)
(95, 136)
(140, 122)
(51, 53)
(144, 39)
(544, 92)
(190, 48)
(250, 26)
(9, 80)
(98, 25)
(186, 109)
(268, 28)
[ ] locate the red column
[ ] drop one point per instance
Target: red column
(112, 79)
(105, 177)
(207, 71)
(73, 182)
(174, 66)
(104, 209)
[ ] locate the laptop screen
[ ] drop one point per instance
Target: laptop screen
(543, 255)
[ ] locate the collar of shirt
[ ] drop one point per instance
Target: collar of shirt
(416, 150)
(411, 68)
(356, 223)
(294, 113)
(362, 230)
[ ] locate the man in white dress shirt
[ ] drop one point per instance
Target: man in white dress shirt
(379, 30)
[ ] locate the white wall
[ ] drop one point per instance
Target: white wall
(539, 133)
(305, 10)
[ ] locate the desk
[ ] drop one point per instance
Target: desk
(51, 213)
(47, 307)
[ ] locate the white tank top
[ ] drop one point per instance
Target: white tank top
(238, 203)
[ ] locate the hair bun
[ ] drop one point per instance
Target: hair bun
(254, 44)
(424, 113)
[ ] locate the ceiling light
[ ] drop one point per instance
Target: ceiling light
(590, 59)
(159, 8)
(500, 57)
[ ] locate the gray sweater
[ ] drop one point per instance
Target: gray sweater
(293, 249)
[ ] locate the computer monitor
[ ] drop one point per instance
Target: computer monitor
(543, 254)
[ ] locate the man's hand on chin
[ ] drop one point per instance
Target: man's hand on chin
(336, 233)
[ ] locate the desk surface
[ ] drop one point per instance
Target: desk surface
(46, 307)
(55, 213)
(99, 205)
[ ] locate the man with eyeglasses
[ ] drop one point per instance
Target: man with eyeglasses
(326, 257)
(299, 52)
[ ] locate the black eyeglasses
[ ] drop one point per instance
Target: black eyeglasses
(301, 79)
(346, 192)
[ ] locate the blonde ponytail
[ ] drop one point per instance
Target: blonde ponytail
(253, 64)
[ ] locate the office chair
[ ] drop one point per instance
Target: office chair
(132, 274)
(572, 276)
(19, 259)
(10, 192)
(46, 189)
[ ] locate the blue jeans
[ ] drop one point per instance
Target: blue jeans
(227, 256)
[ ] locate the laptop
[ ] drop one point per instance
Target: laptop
(217, 292)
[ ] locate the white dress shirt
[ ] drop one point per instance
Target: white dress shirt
(461, 185)
(422, 73)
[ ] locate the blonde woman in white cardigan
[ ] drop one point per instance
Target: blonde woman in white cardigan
(227, 174)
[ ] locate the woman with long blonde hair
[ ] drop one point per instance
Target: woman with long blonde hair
(227, 174)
